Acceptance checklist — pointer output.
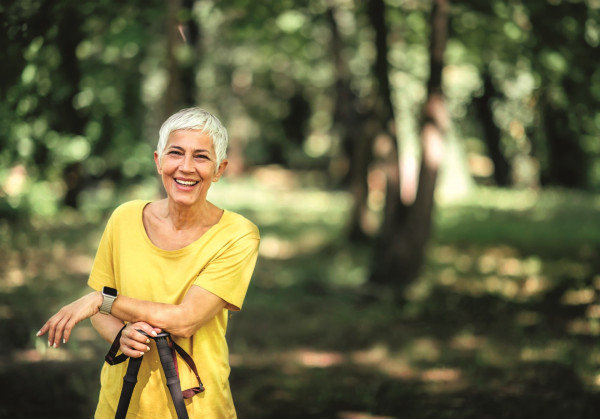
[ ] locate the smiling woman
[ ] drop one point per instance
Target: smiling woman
(176, 265)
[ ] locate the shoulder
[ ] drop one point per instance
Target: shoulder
(237, 222)
(128, 210)
(130, 206)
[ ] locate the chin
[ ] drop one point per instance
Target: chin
(189, 201)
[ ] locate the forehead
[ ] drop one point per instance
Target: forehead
(190, 138)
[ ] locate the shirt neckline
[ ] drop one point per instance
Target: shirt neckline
(175, 252)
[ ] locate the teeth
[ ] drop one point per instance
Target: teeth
(186, 182)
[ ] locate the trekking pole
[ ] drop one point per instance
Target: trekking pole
(129, 381)
(167, 360)
(170, 370)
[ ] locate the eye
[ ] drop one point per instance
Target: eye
(175, 153)
(202, 156)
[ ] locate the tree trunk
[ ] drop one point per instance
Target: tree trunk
(349, 123)
(68, 38)
(181, 88)
(383, 112)
(191, 32)
(567, 162)
(491, 132)
(400, 249)
(173, 98)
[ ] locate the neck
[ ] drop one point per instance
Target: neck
(186, 217)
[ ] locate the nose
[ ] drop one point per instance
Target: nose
(187, 165)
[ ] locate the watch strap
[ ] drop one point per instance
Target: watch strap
(107, 302)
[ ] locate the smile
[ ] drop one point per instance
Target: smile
(186, 182)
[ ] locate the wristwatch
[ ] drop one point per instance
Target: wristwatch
(109, 295)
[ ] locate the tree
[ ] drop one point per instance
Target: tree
(183, 54)
(400, 246)
(491, 133)
(71, 96)
(349, 123)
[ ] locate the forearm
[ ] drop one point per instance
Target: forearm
(160, 315)
(198, 307)
(184, 319)
(107, 326)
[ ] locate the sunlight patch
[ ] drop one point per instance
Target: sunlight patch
(547, 353)
(579, 297)
(441, 375)
(316, 359)
(584, 327)
(593, 311)
(534, 285)
(467, 342)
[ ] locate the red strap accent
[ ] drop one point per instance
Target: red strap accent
(190, 392)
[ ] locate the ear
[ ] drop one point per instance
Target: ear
(220, 171)
(157, 162)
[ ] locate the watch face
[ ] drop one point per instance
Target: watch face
(109, 291)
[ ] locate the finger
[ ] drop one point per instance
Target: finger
(131, 334)
(59, 330)
(68, 329)
(51, 329)
(42, 330)
(133, 348)
(134, 340)
(130, 352)
(145, 327)
(143, 332)
(135, 344)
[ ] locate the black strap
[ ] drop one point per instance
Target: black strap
(111, 357)
(167, 349)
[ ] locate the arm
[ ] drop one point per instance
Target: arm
(197, 308)
(106, 326)
(133, 343)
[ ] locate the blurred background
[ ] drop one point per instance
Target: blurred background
(425, 176)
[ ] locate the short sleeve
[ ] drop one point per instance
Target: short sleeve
(103, 272)
(228, 274)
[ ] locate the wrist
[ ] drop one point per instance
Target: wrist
(109, 295)
(97, 300)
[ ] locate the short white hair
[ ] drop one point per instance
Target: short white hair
(195, 119)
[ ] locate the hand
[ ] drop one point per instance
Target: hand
(61, 324)
(133, 343)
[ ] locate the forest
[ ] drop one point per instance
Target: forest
(425, 175)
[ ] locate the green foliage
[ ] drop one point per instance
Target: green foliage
(538, 55)
(71, 100)
(83, 86)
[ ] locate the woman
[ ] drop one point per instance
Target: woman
(178, 265)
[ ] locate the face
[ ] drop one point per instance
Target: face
(188, 166)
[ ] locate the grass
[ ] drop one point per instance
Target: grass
(502, 323)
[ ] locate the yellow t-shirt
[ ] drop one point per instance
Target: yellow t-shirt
(220, 261)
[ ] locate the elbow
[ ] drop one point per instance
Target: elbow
(175, 321)
(185, 333)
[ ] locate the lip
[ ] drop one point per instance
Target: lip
(178, 180)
